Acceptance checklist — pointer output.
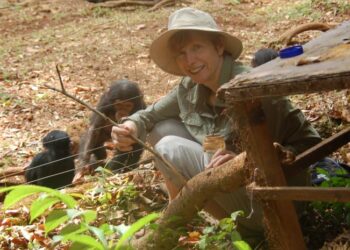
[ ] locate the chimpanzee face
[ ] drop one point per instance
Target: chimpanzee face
(123, 108)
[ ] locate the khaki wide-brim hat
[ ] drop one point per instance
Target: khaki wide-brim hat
(188, 19)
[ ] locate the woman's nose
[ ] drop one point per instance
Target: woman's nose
(190, 57)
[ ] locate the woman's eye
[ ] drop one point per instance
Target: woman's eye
(196, 47)
(180, 56)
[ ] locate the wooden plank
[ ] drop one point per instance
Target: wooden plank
(282, 226)
(336, 194)
(317, 152)
(282, 77)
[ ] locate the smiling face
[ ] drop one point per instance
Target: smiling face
(200, 57)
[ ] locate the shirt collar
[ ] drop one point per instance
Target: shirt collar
(225, 76)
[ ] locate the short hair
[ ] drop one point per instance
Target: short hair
(178, 40)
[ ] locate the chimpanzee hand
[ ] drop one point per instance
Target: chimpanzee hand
(121, 136)
(286, 156)
(220, 157)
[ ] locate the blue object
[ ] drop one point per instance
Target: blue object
(291, 51)
(331, 167)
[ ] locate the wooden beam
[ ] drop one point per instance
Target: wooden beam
(282, 225)
(335, 194)
(283, 77)
(317, 152)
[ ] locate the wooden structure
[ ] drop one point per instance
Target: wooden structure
(324, 66)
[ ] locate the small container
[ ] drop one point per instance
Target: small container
(211, 144)
(291, 51)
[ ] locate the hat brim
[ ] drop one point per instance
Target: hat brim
(164, 57)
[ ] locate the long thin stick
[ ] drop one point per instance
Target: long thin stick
(158, 156)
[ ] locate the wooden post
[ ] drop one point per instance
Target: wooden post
(334, 194)
(282, 225)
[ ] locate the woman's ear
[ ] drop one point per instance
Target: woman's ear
(220, 46)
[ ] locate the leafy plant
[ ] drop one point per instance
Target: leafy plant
(224, 235)
(337, 212)
(73, 225)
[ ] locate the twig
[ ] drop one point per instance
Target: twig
(60, 78)
(158, 156)
(162, 3)
(121, 3)
(10, 172)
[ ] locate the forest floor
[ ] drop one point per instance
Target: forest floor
(94, 46)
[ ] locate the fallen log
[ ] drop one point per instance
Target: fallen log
(191, 199)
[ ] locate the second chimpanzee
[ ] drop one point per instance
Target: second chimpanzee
(123, 98)
(263, 55)
(54, 167)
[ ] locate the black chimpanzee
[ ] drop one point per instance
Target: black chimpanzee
(54, 167)
(123, 98)
(263, 56)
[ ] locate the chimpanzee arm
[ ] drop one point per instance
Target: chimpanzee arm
(34, 170)
(92, 143)
(167, 107)
(126, 161)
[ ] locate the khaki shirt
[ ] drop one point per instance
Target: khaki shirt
(188, 102)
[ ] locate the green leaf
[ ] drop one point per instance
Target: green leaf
(55, 219)
(73, 229)
(87, 241)
(208, 230)
(73, 213)
(241, 245)
(235, 236)
(20, 192)
(234, 215)
(88, 215)
(99, 234)
(136, 227)
(203, 242)
(39, 206)
(107, 229)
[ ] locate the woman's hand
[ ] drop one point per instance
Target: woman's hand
(286, 156)
(121, 135)
(220, 157)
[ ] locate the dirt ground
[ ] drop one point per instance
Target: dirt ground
(94, 46)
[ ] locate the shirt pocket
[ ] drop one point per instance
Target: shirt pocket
(192, 119)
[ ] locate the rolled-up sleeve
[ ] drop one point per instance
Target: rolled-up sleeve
(167, 107)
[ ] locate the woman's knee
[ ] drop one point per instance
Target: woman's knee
(184, 154)
(167, 128)
(169, 145)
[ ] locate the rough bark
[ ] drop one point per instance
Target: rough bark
(324, 68)
(192, 199)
